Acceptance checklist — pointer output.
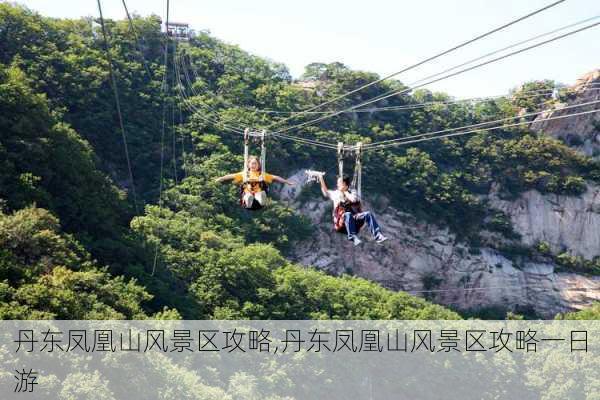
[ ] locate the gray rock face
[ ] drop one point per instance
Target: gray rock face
(581, 132)
(564, 222)
(427, 261)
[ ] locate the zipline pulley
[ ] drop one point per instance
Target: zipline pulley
(357, 177)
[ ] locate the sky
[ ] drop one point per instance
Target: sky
(382, 36)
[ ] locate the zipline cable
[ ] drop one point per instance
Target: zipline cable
(410, 106)
(118, 106)
(471, 61)
(383, 143)
(402, 91)
(483, 129)
(196, 94)
(197, 112)
(136, 38)
(438, 55)
(162, 136)
(445, 71)
(512, 46)
(174, 149)
(471, 100)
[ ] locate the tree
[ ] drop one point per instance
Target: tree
(45, 274)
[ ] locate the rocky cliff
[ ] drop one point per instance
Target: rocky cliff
(426, 260)
(429, 261)
(565, 223)
(581, 132)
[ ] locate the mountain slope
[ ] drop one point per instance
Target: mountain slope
(191, 246)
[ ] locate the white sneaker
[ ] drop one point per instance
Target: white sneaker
(380, 238)
(356, 240)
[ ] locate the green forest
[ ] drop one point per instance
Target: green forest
(80, 239)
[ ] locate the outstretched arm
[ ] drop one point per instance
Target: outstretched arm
(324, 189)
(224, 178)
(282, 180)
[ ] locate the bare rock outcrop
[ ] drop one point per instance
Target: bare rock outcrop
(581, 132)
(564, 222)
(427, 260)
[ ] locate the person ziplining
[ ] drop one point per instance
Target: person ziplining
(253, 180)
(348, 215)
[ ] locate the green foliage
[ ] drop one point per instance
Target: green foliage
(440, 181)
(589, 313)
(543, 248)
(530, 162)
(305, 293)
(47, 163)
(46, 274)
(61, 150)
(498, 221)
(533, 96)
(228, 278)
(569, 262)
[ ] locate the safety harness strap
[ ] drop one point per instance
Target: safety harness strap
(340, 156)
(263, 154)
(246, 140)
(357, 178)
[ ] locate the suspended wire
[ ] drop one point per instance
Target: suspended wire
(512, 46)
(443, 53)
(188, 103)
(115, 90)
(404, 140)
(440, 73)
(412, 106)
(402, 91)
(472, 101)
(482, 130)
(162, 136)
(174, 150)
(471, 61)
(197, 112)
(305, 141)
(383, 143)
(180, 122)
(333, 146)
(136, 38)
(196, 94)
(197, 78)
(180, 94)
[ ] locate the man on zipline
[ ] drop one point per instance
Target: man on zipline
(348, 216)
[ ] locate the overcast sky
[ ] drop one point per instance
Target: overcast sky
(382, 36)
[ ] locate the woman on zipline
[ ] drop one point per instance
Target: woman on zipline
(348, 216)
(254, 184)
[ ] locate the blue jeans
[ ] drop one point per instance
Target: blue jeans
(367, 217)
